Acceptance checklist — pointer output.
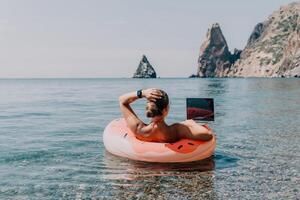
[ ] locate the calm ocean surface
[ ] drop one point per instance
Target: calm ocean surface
(51, 141)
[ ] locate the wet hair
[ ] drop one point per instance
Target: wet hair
(156, 107)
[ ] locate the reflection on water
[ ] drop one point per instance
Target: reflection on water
(157, 169)
(216, 87)
(159, 180)
(136, 169)
(162, 179)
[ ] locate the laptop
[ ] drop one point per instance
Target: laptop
(200, 109)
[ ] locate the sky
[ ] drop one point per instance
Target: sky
(96, 38)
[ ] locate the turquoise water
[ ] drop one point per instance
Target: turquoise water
(51, 141)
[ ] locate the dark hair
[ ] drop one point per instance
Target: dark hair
(156, 108)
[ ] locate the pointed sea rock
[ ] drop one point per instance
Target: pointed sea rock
(145, 69)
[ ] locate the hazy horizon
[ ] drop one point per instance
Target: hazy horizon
(70, 39)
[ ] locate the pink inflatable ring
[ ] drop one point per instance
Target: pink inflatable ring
(120, 141)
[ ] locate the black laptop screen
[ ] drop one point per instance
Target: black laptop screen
(201, 109)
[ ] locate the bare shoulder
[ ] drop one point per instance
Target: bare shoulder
(192, 130)
(186, 123)
(181, 127)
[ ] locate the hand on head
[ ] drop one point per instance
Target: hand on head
(152, 94)
(158, 102)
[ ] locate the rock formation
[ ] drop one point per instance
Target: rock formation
(145, 69)
(273, 49)
(256, 33)
(215, 58)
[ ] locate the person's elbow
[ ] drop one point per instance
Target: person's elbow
(206, 136)
(210, 135)
(121, 100)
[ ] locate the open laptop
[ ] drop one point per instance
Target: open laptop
(200, 109)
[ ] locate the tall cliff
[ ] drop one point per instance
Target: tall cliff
(215, 59)
(273, 49)
(145, 69)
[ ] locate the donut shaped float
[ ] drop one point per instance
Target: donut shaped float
(119, 140)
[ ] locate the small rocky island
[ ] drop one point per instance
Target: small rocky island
(145, 69)
(272, 50)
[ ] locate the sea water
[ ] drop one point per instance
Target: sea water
(51, 140)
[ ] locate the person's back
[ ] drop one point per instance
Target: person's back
(157, 109)
(160, 132)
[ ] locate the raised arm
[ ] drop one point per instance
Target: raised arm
(133, 122)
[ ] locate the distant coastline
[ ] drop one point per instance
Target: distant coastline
(272, 50)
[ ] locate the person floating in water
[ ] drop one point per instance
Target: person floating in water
(157, 109)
